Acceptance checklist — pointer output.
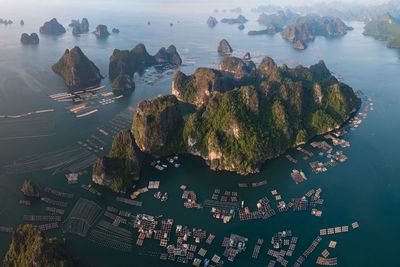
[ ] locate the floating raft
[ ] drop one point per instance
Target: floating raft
(25, 202)
(48, 226)
(87, 113)
(55, 211)
(243, 185)
(41, 218)
(129, 201)
(327, 262)
(83, 215)
(4, 229)
(54, 202)
(58, 193)
(259, 183)
(26, 114)
(290, 158)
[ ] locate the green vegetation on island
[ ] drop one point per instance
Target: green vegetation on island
(30, 247)
(121, 166)
(386, 28)
(77, 70)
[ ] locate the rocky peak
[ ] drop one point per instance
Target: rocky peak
(224, 47)
(211, 22)
(101, 31)
(30, 189)
(123, 84)
(32, 39)
(157, 125)
(236, 67)
(267, 66)
(77, 70)
(52, 27)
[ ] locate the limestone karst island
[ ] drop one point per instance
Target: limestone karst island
(199, 133)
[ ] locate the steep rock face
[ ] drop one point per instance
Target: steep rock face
(101, 31)
(238, 130)
(138, 59)
(157, 126)
(236, 67)
(240, 20)
(198, 87)
(32, 39)
(30, 189)
(22, 23)
(52, 27)
(386, 28)
(277, 21)
(30, 247)
(224, 47)
(79, 27)
(212, 22)
(306, 28)
(76, 69)
(169, 55)
(299, 45)
(123, 84)
(118, 170)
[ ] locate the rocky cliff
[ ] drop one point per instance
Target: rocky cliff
(27, 39)
(52, 27)
(30, 189)
(280, 107)
(157, 126)
(224, 48)
(77, 70)
(212, 22)
(118, 170)
(123, 84)
(79, 27)
(138, 59)
(306, 28)
(101, 31)
(240, 20)
(30, 247)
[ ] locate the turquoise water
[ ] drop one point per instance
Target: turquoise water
(365, 188)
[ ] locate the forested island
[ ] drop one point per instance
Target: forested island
(386, 28)
(245, 115)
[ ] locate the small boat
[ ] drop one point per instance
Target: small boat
(164, 197)
(165, 166)
(157, 195)
(177, 165)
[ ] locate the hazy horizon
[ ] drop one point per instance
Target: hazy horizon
(163, 6)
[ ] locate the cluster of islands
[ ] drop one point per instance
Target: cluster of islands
(242, 114)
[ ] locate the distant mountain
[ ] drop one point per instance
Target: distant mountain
(386, 28)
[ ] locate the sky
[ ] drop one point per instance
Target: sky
(172, 6)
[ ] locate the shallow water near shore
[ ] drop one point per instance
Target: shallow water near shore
(365, 188)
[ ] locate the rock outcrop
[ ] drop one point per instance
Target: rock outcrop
(138, 59)
(115, 30)
(27, 39)
(157, 126)
(30, 247)
(306, 28)
(77, 70)
(299, 45)
(224, 48)
(212, 22)
(52, 27)
(239, 20)
(123, 84)
(30, 189)
(236, 68)
(200, 86)
(79, 27)
(22, 23)
(247, 56)
(238, 129)
(241, 27)
(101, 31)
(119, 169)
